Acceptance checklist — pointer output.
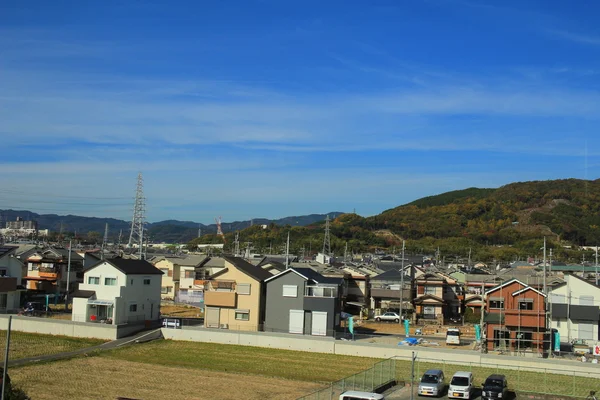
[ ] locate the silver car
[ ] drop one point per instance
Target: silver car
(432, 383)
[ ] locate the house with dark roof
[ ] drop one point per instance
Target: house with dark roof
(385, 290)
(11, 272)
(48, 270)
(234, 297)
(302, 301)
(575, 310)
(118, 291)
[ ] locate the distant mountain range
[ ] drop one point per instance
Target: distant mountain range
(171, 231)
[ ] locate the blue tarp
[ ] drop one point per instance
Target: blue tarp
(412, 341)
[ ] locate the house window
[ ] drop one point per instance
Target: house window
(430, 290)
(183, 292)
(190, 274)
(525, 305)
(290, 291)
(110, 281)
(146, 281)
(3, 272)
(166, 289)
(496, 304)
(93, 280)
(132, 307)
(165, 271)
(243, 288)
(242, 315)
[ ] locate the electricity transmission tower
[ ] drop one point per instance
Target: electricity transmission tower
(137, 223)
(327, 239)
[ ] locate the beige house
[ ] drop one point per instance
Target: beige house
(179, 273)
(234, 298)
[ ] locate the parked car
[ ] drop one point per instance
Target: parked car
(461, 385)
(355, 395)
(432, 383)
(494, 387)
(388, 316)
(453, 336)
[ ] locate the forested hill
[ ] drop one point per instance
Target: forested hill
(567, 209)
(518, 215)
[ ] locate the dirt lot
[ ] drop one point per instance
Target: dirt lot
(182, 311)
(103, 378)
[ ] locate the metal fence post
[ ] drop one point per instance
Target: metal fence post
(331, 391)
(546, 381)
(6, 357)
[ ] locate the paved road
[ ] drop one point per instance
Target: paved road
(140, 337)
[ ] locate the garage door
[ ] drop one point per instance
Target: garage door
(297, 321)
(319, 323)
(212, 317)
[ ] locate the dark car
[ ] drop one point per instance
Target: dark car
(495, 387)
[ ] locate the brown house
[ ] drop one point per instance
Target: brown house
(515, 317)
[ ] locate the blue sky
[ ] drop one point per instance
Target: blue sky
(269, 108)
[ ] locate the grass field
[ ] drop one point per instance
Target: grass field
(181, 311)
(100, 378)
(304, 366)
(24, 345)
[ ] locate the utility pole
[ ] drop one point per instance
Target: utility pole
(412, 376)
(346, 253)
(236, 248)
(545, 265)
(327, 239)
(287, 252)
(402, 281)
(68, 277)
(482, 314)
(596, 266)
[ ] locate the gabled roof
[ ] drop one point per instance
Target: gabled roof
(518, 292)
(6, 250)
(505, 284)
(130, 266)
(317, 277)
(420, 299)
(251, 270)
(391, 275)
(287, 271)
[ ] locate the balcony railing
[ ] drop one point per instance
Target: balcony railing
(320, 291)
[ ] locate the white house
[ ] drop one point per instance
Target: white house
(11, 272)
(575, 310)
(118, 291)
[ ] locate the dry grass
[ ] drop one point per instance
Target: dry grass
(175, 310)
(296, 365)
(103, 378)
(25, 345)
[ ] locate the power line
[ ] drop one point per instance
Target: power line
(10, 191)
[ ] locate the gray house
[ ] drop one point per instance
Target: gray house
(302, 301)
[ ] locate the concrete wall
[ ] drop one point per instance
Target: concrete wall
(69, 328)
(277, 309)
(332, 346)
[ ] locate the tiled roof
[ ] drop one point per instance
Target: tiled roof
(251, 270)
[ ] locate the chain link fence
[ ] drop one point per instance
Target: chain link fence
(381, 374)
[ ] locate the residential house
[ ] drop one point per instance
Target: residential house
(385, 291)
(515, 317)
(358, 286)
(429, 302)
(575, 310)
(302, 301)
(11, 272)
(48, 270)
(191, 279)
(118, 291)
(234, 297)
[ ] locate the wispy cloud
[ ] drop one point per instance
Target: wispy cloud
(576, 37)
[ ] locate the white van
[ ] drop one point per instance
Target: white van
(461, 385)
(453, 336)
(354, 395)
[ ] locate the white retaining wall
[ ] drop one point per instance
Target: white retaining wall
(332, 346)
(49, 326)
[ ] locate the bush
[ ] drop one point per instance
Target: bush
(472, 317)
